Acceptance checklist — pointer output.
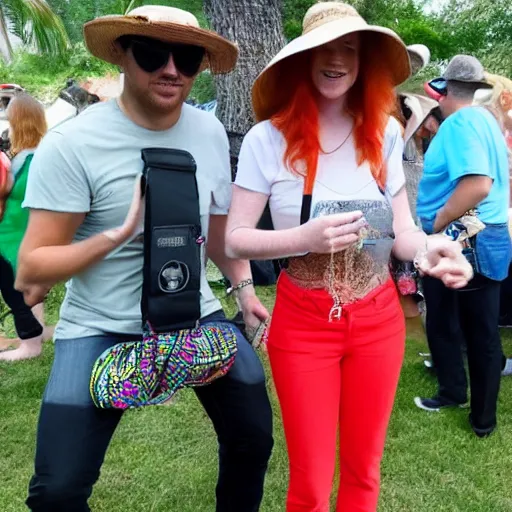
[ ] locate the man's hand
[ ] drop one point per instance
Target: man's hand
(134, 222)
(253, 310)
(468, 194)
(440, 221)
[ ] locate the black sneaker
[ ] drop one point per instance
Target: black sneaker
(436, 403)
(481, 432)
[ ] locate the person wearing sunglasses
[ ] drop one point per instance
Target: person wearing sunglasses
(466, 175)
(85, 204)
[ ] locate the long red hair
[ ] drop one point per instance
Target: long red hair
(370, 101)
(28, 122)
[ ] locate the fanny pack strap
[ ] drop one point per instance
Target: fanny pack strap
(172, 241)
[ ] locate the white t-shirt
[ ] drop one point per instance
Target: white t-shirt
(89, 164)
(339, 178)
(341, 185)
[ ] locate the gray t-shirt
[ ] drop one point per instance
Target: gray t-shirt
(89, 164)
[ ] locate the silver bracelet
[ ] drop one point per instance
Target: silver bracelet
(239, 286)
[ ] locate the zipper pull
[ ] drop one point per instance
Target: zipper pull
(336, 313)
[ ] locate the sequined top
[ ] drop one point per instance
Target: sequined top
(353, 273)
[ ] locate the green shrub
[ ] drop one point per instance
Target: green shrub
(204, 88)
(44, 76)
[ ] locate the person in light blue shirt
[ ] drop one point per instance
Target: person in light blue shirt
(466, 168)
(469, 143)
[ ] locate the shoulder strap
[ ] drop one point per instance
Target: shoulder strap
(305, 211)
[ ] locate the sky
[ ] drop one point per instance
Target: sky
(434, 5)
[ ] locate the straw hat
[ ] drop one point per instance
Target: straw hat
(500, 95)
(166, 24)
(323, 23)
(420, 106)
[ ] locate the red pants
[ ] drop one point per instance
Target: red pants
(328, 374)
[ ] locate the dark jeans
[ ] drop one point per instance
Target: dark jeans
(506, 298)
(25, 322)
(73, 435)
(470, 314)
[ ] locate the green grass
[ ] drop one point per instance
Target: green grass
(164, 458)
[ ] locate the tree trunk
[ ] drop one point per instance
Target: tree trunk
(256, 26)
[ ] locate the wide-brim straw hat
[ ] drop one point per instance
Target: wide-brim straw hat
(323, 23)
(167, 24)
(420, 107)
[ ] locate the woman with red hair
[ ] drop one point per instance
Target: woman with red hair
(27, 126)
(328, 157)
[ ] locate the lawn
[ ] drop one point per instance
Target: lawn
(164, 458)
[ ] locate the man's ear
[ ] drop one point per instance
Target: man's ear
(119, 52)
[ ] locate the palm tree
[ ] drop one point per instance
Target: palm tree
(34, 22)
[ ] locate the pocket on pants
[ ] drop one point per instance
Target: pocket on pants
(493, 252)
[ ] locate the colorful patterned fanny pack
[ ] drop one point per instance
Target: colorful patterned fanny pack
(151, 371)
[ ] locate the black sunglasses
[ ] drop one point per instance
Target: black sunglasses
(152, 55)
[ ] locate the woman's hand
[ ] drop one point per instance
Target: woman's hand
(332, 233)
(446, 262)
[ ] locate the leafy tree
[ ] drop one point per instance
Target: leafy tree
(34, 22)
(482, 28)
(75, 13)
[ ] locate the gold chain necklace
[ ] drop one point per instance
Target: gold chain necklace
(339, 147)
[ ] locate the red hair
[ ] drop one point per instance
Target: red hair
(28, 122)
(370, 101)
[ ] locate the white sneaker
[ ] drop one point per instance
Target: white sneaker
(507, 371)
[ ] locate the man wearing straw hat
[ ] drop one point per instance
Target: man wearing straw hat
(466, 182)
(82, 229)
